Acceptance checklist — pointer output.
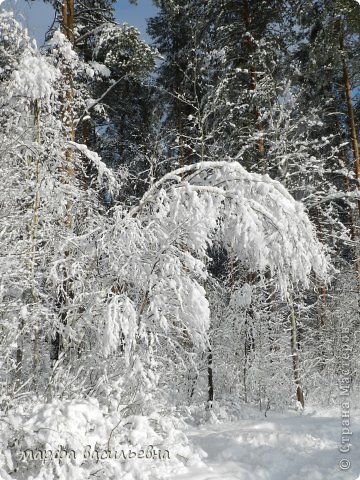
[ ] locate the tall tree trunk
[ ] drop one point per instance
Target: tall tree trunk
(67, 25)
(262, 166)
(249, 343)
(353, 135)
(253, 82)
(65, 294)
(210, 378)
(68, 102)
(249, 346)
(34, 234)
(31, 262)
(19, 354)
(321, 288)
(295, 358)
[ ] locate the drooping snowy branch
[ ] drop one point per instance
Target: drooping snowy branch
(254, 216)
(104, 174)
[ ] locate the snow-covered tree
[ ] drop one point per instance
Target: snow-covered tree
(147, 266)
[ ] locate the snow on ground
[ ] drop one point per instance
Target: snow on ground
(279, 447)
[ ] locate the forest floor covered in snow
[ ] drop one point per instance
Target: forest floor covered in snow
(289, 446)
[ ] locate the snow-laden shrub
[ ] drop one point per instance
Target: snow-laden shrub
(81, 440)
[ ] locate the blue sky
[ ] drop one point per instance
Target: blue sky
(37, 15)
(135, 14)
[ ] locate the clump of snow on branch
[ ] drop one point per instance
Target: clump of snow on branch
(61, 45)
(34, 77)
(121, 319)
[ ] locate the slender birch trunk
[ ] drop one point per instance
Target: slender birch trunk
(31, 262)
(34, 234)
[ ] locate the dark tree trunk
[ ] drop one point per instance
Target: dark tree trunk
(210, 379)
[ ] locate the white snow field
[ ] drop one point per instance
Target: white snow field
(279, 447)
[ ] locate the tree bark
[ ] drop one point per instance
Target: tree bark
(295, 358)
(67, 25)
(210, 379)
(19, 354)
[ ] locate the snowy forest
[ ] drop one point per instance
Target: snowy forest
(179, 242)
